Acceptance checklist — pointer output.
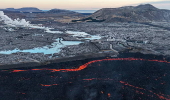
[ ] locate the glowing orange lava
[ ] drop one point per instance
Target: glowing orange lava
(94, 61)
(109, 95)
(18, 70)
(48, 85)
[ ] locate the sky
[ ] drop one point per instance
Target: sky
(80, 4)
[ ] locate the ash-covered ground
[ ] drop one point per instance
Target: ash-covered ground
(152, 38)
(126, 77)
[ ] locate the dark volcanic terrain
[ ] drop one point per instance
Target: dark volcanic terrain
(113, 54)
(127, 77)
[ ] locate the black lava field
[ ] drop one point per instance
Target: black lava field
(126, 77)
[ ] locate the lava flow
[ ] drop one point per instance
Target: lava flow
(94, 61)
(110, 78)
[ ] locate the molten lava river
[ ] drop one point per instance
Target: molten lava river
(144, 77)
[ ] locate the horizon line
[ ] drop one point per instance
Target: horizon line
(94, 9)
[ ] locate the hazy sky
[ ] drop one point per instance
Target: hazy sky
(79, 4)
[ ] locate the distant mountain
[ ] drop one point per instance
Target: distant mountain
(141, 13)
(11, 9)
(25, 9)
(60, 11)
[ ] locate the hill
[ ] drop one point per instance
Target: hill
(141, 13)
(63, 12)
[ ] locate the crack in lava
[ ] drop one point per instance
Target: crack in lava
(160, 96)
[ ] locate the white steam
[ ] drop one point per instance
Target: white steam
(18, 22)
(15, 22)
